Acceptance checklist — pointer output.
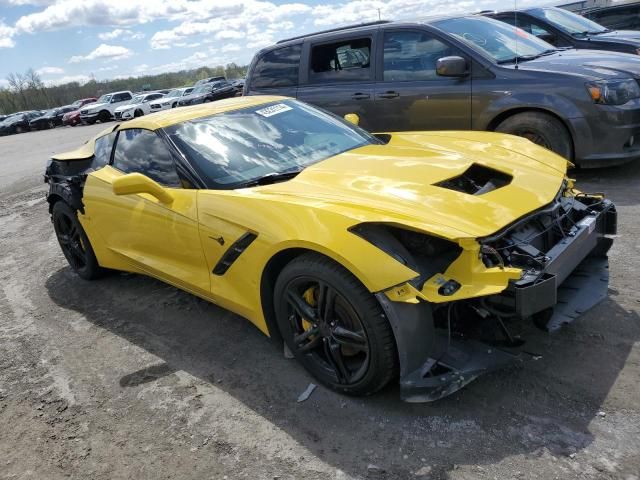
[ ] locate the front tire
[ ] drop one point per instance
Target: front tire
(542, 129)
(334, 326)
(104, 116)
(74, 242)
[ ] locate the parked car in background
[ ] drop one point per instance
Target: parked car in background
(170, 100)
(137, 106)
(567, 29)
(208, 92)
(209, 80)
(82, 102)
(72, 118)
(238, 84)
(18, 122)
(105, 107)
(51, 118)
(463, 73)
(615, 17)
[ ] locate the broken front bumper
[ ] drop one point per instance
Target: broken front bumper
(434, 364)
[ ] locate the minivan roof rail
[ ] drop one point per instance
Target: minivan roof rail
(338, 29)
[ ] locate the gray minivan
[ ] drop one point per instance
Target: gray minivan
(463, 73)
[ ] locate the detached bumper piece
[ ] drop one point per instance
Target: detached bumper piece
(461, 362)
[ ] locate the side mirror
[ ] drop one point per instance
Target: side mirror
(352, 118)
(452, 67)
(133, 183)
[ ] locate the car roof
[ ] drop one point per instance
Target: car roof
(365, 26)
(166, 118)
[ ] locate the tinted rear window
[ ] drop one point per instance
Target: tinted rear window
(277, 68)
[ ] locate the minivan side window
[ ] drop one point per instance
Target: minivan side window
(412, 55)
(143, 151)
(347, 60)
(277, 68)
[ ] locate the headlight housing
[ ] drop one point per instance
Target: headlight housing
(421, 252)
(613, 92)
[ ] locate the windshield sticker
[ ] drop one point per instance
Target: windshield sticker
(273, 110)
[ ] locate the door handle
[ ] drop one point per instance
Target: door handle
(389, 94)
(360, 96)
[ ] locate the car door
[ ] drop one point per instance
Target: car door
(409, 94)
(161, 239)
(338, 74)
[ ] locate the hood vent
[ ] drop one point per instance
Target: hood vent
(476, 180)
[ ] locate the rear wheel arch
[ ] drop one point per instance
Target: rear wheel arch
(505, 115)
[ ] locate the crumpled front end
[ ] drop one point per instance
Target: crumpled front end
(548, 268)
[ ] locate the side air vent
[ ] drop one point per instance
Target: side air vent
(477, 180)
(232, 254)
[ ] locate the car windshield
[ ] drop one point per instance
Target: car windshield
(501, 41)
(202, 89)
(569, 22)
(175, 93)
(136, 99)
(241, 146)
(104, 98)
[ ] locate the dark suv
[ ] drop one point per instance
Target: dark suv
(567, 29)
(462, 73)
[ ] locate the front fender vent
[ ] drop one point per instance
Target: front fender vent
(477, 180)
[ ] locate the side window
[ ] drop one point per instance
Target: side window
(412, 55)
(342, 61)
(102, 150)
(277, 68)
(143, 151)
(120, 97)
(527, 25)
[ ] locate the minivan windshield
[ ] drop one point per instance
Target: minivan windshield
(501, 41)
(569, 22)
(238, 148)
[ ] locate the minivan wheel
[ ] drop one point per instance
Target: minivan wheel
(542, 129)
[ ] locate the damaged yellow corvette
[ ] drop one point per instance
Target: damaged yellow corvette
(372, 256)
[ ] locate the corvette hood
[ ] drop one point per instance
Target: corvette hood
(589, 63)
(398, 182)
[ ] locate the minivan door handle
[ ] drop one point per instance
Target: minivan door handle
(360, 96)
(388, 94)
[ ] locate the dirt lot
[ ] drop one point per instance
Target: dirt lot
(129, 378)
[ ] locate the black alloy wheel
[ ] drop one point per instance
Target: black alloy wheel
(542, 129)
(74, 242)
(334, 326)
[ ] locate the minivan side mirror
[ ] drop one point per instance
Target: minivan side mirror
(133, 183)
(452, 67)
(352, 118)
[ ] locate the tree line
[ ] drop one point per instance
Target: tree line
(27, 91)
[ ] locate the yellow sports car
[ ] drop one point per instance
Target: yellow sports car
(411, 255)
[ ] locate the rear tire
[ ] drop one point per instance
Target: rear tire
(542, 129)
(334, 326)
(74, 242)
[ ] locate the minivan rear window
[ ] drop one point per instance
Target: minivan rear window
(277, 68)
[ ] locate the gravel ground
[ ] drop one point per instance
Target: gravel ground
(129, 378)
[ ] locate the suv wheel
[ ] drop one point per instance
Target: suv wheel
(542, 129)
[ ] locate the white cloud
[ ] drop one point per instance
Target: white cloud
(121, 34)
(231, 47)
(6, 36)
(50, 71)
(229, 35)
(108, 68)
(81, 79)
(110, 52)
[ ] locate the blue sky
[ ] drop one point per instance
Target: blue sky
(76, 39)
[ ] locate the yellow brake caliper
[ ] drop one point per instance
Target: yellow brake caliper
(309, 296)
